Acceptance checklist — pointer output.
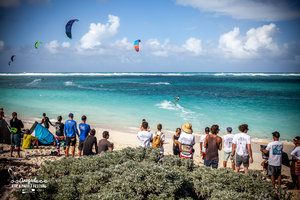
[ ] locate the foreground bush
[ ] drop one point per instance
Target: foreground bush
(137, 174)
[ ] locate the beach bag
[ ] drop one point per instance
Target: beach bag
(157, 142)
(186, 150)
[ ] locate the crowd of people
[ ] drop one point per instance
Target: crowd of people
(236, 147)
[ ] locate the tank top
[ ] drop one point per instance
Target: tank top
(212, 149)
(175, 138)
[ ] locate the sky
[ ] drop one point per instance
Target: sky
(176, 35)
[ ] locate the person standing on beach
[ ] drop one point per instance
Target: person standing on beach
(16, 126)
(84, 131)
(104, 144)
(46, 121)
(202, 140)
(295, 165)
(88, 144)
(71, 131)
(186, 141)
(176, 150)
(141, 127)
(275, 158)
(242, 147)
(213, 143)
(159, 139)
(227, 148)
(144, 136)
(59, 132)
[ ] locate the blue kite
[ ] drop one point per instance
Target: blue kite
(69, 27)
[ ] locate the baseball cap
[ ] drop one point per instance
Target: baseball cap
(71, 115)
(276, 134)
(229, 129)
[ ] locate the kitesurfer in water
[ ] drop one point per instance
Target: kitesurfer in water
(176, 99)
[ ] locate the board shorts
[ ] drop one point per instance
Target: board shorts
(212, 163)
(274, 170)
(71, 141)
(295, 168)
(15, 140)
(80, 147)
(239, 160)
(226, 156)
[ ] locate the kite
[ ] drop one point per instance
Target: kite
(36, 44)
(137, 45)
(69, 27)
(12, 58)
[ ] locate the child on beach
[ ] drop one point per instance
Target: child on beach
(176, 150)
(59, 132)
(84, 131)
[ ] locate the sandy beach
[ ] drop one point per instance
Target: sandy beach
(28, 165)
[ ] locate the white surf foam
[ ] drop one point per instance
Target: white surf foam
(68, 83)
(34, 82)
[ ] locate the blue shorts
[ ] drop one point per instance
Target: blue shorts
(213, 163)
(15, 140)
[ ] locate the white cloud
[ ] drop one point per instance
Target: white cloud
(123, 44)
(52, 46)
(99, 32)
(257, 42)
(1, 45)
(66, 44)
(264, 10)
(193, 45)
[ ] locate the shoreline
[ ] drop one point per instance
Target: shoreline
(134, 130)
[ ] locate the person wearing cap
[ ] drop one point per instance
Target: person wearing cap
(186, 141)
(242, 147)
(275, 158)
(227, 148)
(213, 144)
(71, 130)
(202, 140)
(84, 131)
(295, 165)
(46, 121)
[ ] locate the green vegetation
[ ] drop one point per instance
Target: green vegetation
(137, 174)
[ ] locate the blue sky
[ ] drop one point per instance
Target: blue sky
(176, 35)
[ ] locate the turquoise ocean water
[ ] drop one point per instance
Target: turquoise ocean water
(266, 101)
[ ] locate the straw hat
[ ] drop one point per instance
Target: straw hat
(187, 127)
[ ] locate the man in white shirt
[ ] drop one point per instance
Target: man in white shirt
(186, 141)
(242, 147)
(227, 148)
(275, 158)
(145, 136)
(202, 140)
(162, 136)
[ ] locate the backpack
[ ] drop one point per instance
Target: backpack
(157, 142)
